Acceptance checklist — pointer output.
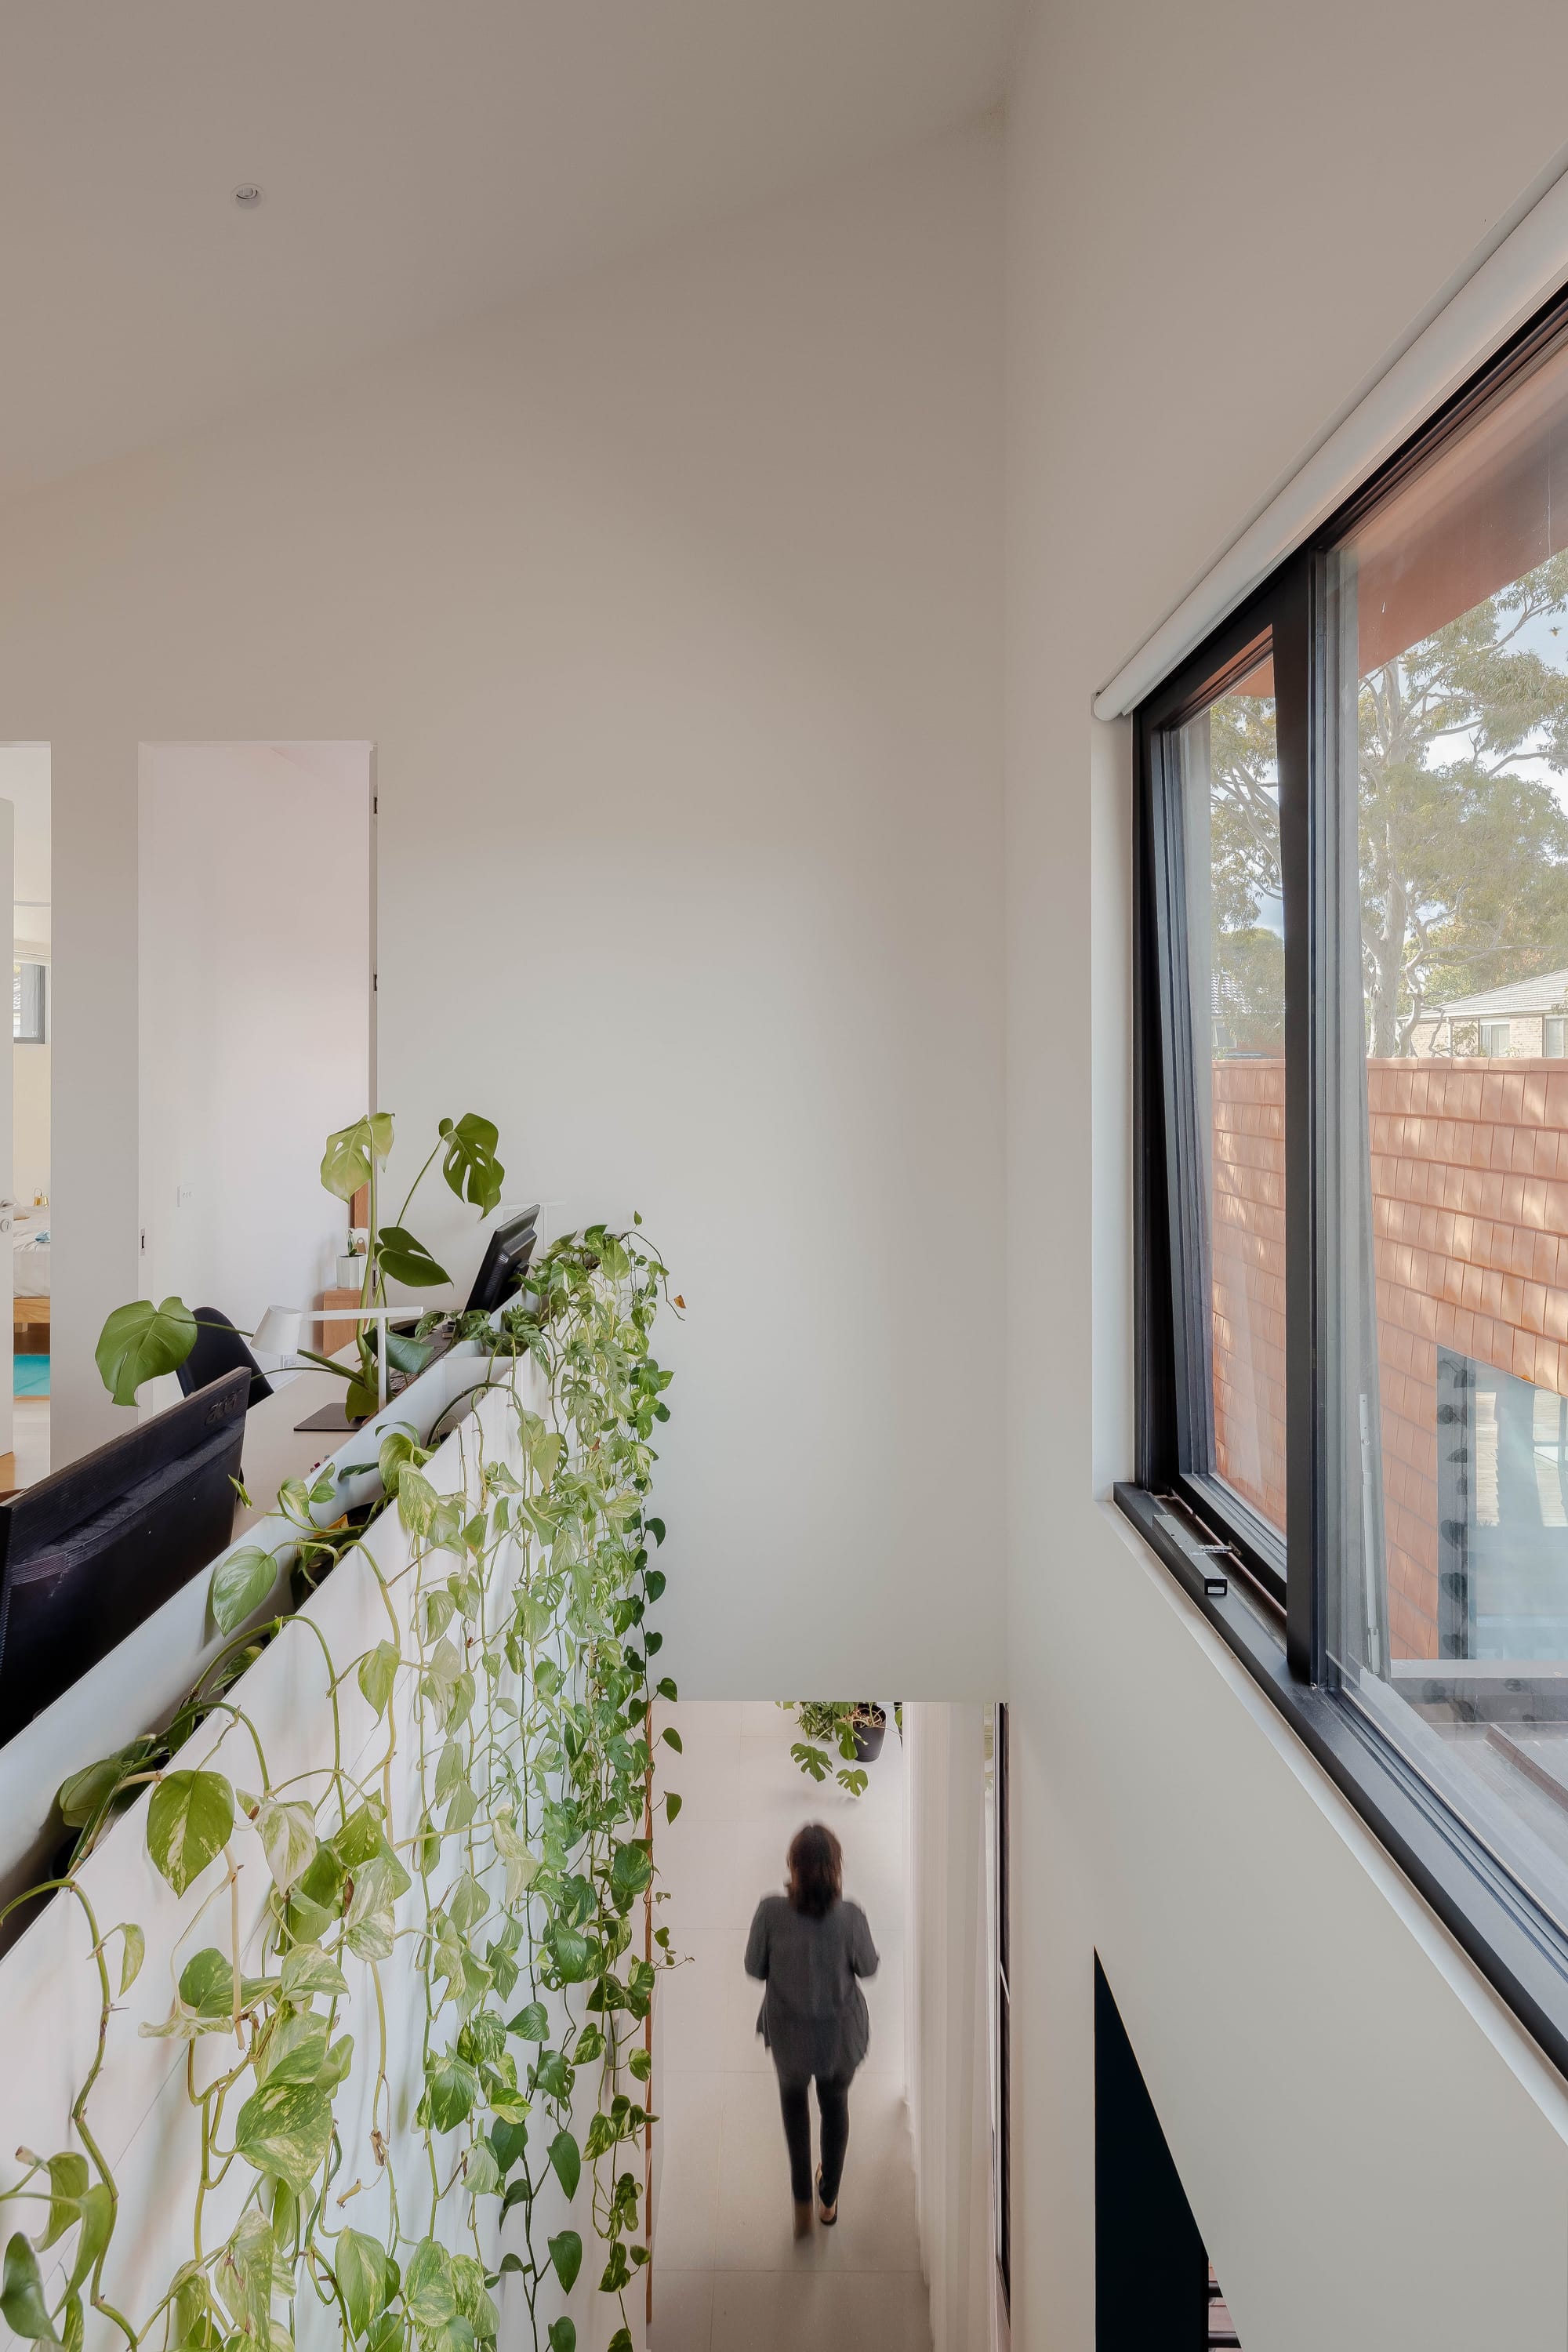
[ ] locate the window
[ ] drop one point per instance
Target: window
(1353, 854)
(28, 1003)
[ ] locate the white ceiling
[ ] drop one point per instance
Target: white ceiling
(420, 159)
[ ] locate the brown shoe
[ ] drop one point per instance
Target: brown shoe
(828, 2213)
(803, 2220)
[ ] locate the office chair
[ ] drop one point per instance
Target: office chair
(220, 1350)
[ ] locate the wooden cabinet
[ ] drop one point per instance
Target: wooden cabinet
(337, 1335)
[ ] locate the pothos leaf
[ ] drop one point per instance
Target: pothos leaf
(244, 2272)
(288, 1835)
(360, 2267)
(377, 1673)
(22, 2301)
(307, 1970)
(428, 2292)
(241, 1583)
(188, 1822)
(284, 2129)
(68, 2185)
(82, 1795)
(566, 2254)
(347, 1160)
(135, 1952)
(566, 2158)
(416, 1501)
(140, 1342)
(97, 2207)
(451, 2086)
(296, 2049)
(206, 1983)
(563, 2336)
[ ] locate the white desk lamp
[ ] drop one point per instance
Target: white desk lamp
(279, 1333)
(278, 1330)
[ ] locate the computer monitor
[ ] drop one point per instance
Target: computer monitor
(505, 1261)
(89, 1552)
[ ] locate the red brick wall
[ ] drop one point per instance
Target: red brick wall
(1247, 1241)
(1470, 1186)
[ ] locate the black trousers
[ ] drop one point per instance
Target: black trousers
(832, 2102)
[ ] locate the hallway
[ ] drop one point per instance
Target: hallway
(728, 2276)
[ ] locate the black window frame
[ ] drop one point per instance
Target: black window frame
(1272, 1603)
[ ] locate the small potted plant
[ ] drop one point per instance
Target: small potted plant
(855, 1726)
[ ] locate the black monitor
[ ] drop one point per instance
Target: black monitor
(89, 1552)
(505, 1262)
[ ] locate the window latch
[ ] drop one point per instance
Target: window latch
(1216, 1585)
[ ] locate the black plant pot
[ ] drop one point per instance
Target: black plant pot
(869, 1735)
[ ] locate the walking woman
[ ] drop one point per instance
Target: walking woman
(811, 1948)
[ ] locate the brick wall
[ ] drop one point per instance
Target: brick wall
(1469, 1185)
(1247, 1242)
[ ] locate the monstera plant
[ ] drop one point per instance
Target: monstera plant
(142, 1340)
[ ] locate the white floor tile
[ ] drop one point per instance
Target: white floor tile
(682, 2310)
(692, 2106)
(804, 2307)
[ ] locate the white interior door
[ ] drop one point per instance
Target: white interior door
(7, 1183)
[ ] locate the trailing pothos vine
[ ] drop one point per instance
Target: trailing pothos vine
(519, 1896)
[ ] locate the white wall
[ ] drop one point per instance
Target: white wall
(30, 1121)
(25, 782)
(254, 992)
(946, 2013)
(1220, 221)
(672, 606)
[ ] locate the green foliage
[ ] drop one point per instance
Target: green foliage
(836, 1722)
(518, 1891)
(188, 1822)
(354, 1153)
(1463, 840)
(140, 1342)
(21, 2293)
(242, 1582)
(405, 1258)
(470, 1164)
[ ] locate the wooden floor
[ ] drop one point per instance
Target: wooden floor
(727, 2274)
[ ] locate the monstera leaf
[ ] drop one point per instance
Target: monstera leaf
(140, 1342)
(469, 1162)
(406, 1259)
(346, 1163)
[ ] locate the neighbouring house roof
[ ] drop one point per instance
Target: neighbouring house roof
(1546, 993)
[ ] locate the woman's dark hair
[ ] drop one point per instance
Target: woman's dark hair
(815, 1870)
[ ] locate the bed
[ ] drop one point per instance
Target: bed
(30, 1274)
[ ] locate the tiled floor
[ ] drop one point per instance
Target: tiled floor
(728, 2274)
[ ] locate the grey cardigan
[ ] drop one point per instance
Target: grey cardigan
(813, 2016)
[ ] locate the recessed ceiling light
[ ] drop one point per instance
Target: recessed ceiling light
(247, 195)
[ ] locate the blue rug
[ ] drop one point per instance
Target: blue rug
(32, 1375)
